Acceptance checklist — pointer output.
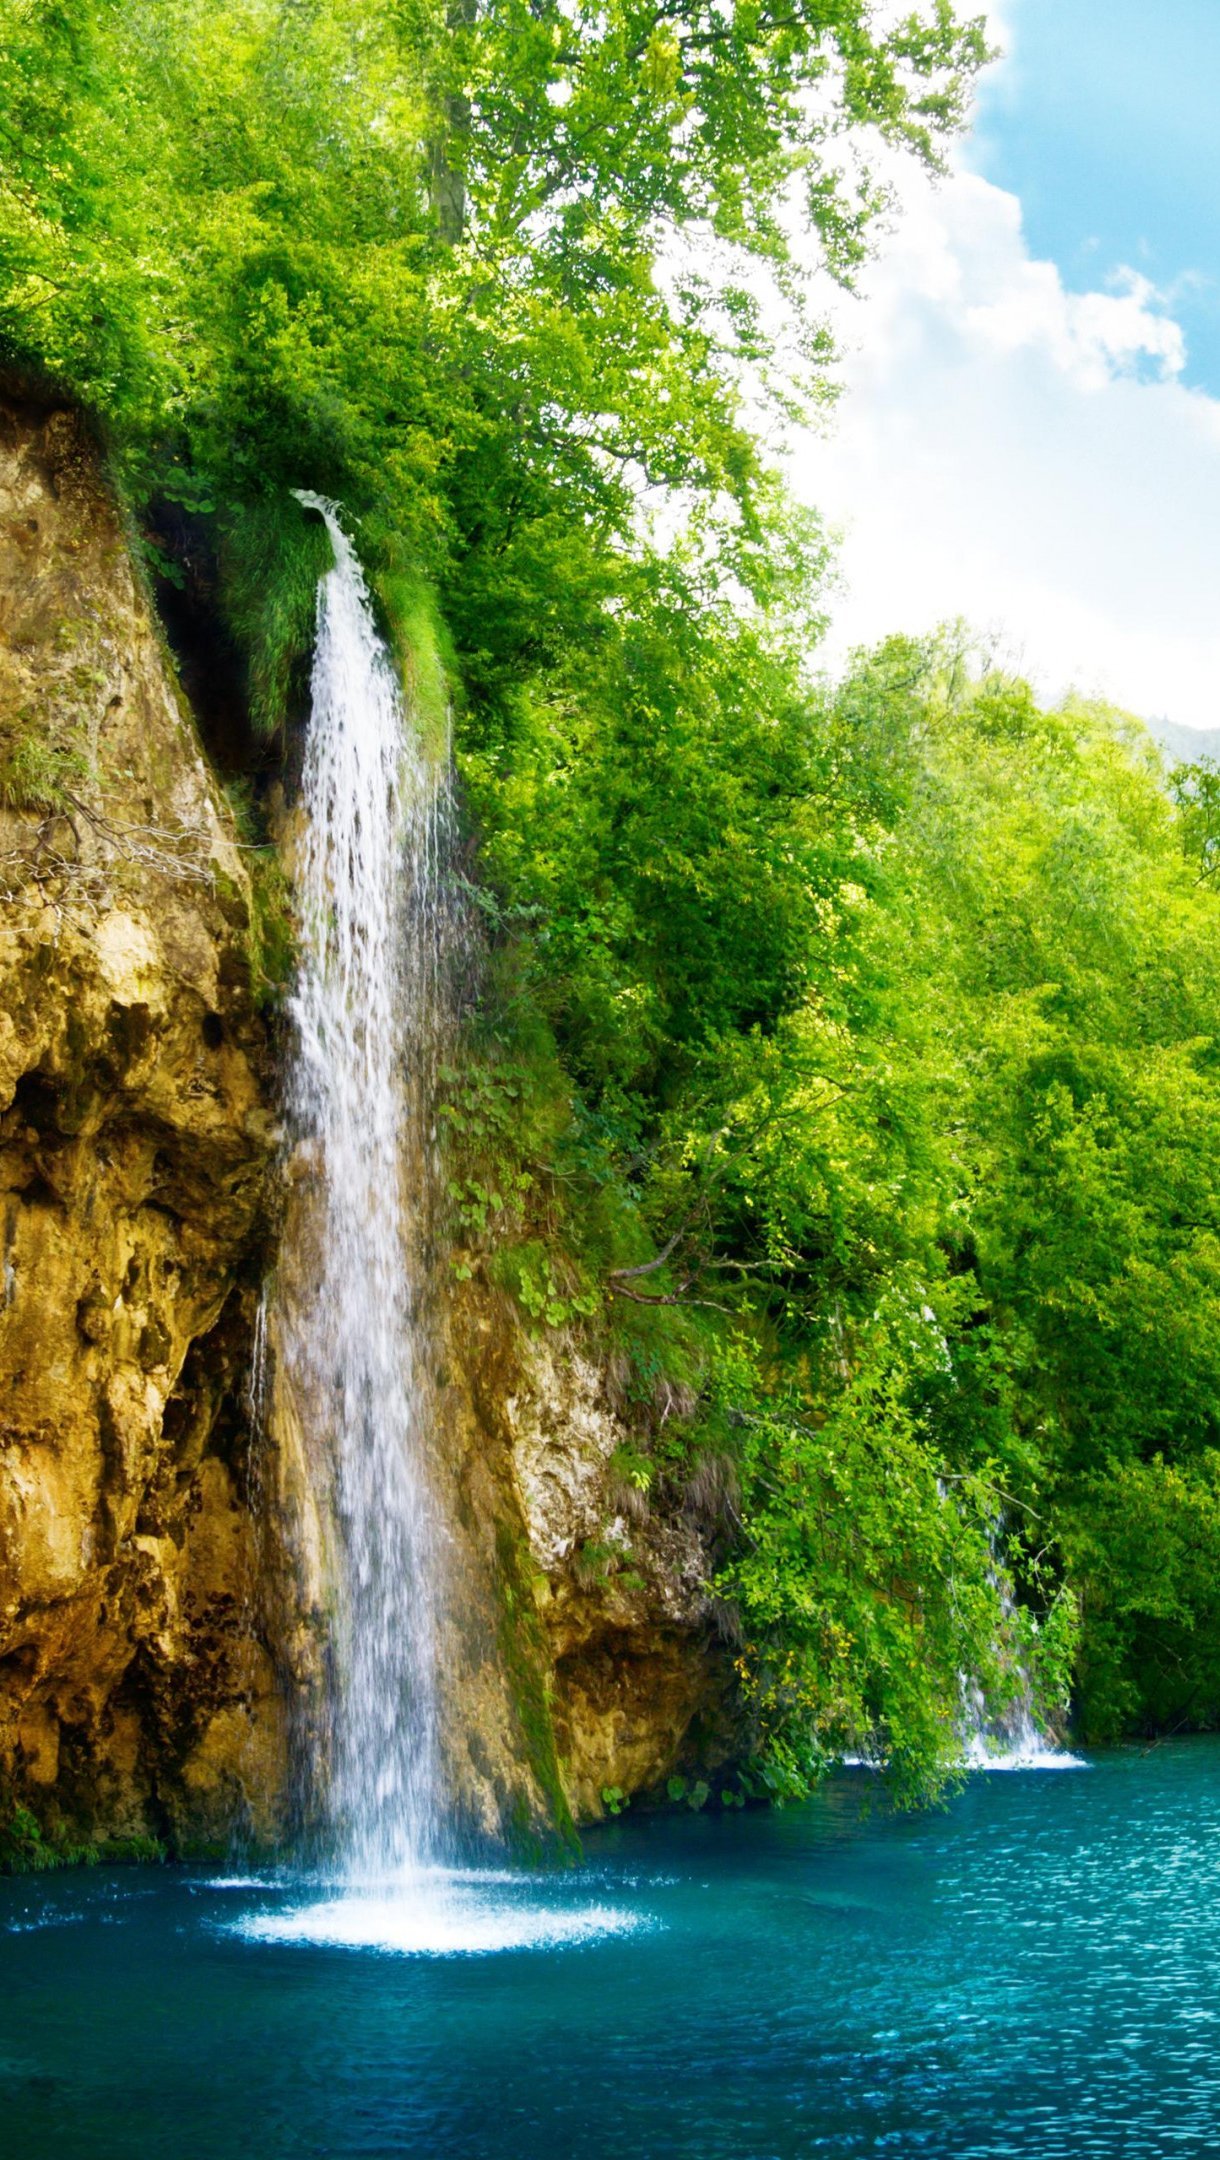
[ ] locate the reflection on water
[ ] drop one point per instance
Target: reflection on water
(1032, 1972)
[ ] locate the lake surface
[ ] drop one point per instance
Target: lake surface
(1035, 1971)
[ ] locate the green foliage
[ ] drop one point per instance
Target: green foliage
(696, 1794)
(272, 930)
(419, 640)
(46, 756)
(1196, 791)
(536, 1203)
(891, 1016)
(268, 919)
(632, 1468)
(867, 1577)
(419, 258)
(272, 555)
(519, 1640)
(614, 1799)
(547, 1291)
(1143, 1543)
(26, 1849)
(595, 1562)
(484, 1117)
(659, 814)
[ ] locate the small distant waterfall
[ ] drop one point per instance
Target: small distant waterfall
(369, 1016)
(1014, 1740)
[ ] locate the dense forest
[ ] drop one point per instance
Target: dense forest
(842, 1058)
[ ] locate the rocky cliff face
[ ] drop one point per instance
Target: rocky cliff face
(607, 1633)
(163, 1575)
(135, 1140)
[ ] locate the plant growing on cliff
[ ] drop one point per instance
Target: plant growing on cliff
(42, 764)
(26, 1849)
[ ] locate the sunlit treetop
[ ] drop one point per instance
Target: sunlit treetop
(381, 239)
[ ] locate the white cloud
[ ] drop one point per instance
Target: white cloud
(1026, 457)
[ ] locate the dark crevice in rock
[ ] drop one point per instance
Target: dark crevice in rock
(209, 661)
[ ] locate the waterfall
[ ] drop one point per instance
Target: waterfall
(345, 1352)
(367, 1014)
(1014, 1740)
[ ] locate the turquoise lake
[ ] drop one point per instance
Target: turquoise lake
(1034, 1971)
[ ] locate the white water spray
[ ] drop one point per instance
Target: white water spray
(367, 1012)
(354, 1346)
(1014, 1740)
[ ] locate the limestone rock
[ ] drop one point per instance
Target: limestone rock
(135, 1137)
(606, 1669)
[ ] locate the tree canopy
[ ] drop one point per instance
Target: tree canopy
(896, 1008)
(481, 271)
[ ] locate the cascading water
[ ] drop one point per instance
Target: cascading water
(367, 1012)
(1014, 1740)
(348, 1329)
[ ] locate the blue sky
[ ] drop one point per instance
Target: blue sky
(1029, 432)
(1104, 121)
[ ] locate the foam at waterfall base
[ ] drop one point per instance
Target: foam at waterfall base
(444, 1912)
(982, 1753)
(1013, 1741)
(1016, 1742)
(1036, 1754)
